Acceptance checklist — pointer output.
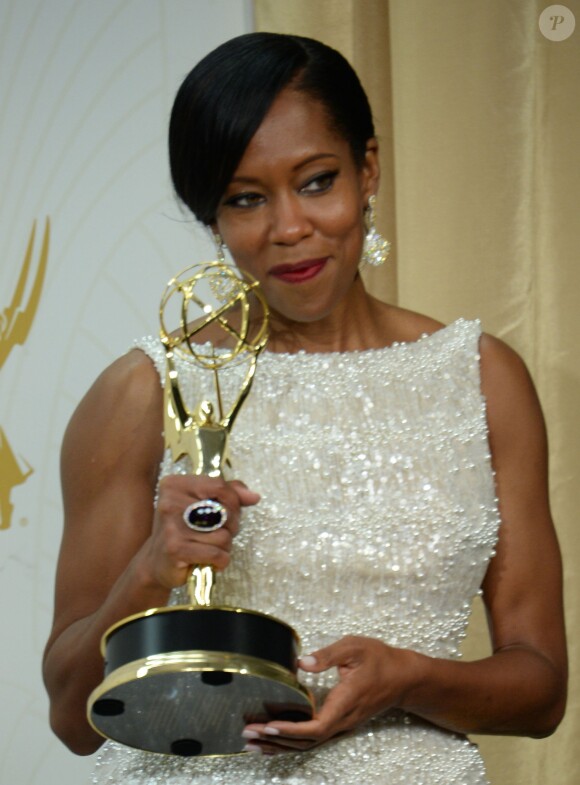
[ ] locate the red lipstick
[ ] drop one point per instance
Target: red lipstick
(298, 272)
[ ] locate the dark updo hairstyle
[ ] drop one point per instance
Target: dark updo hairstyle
(223, 100)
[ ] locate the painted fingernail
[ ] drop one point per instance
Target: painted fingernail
(271, 731)
(309, 660)
(250, 734)
(254, 748)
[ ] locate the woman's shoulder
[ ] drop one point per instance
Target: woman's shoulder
(499, 361)
(131, 379)
(512, 402)
(506, 382)
(121, 412)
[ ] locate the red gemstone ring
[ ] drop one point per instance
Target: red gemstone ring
(205, 516)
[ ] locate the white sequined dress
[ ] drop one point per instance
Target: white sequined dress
(378, 517)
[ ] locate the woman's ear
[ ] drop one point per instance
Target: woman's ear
(370, 170)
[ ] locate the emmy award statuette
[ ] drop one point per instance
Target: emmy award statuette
(185, 679)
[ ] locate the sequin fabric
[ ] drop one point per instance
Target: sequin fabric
(378, 517)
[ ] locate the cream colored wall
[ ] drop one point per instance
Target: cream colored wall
(480, 118)
(85, 91)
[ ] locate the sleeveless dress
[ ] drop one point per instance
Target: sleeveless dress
(378, 517)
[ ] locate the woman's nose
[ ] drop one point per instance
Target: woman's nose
(289, 220)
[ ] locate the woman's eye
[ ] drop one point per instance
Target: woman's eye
(320, 183)
(244, 200)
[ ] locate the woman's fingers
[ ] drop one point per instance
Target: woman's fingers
(371, 675)
(174, 546)
(245, 495)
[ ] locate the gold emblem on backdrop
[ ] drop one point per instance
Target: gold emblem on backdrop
(15, 323)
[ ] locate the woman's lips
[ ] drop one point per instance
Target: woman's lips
(301, 271)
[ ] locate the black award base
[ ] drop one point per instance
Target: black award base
(186, 680)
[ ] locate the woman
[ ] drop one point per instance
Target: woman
(378, 439)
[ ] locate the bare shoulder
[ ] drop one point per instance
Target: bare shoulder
(120, 415)
(499, 362)
(132, 375)
(515, 418)
(505, 379)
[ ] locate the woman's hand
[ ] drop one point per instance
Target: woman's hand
(173, 548)
(372, 678)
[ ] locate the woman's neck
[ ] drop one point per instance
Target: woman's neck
(357, 323)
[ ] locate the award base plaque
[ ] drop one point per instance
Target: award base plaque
(186, 679)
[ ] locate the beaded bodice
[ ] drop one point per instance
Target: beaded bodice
(378, 516)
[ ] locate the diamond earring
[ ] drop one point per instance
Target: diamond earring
(375, 248)
(219, 247)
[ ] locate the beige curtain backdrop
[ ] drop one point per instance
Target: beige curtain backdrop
(479, 120)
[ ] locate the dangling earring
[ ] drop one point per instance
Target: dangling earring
(220, 284)
(375, 248)
(219, 247)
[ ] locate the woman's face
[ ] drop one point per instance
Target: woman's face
(292, 215)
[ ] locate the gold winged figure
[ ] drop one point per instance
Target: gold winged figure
(15, 323)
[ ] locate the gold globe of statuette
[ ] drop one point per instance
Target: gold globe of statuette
(222, 319)
(219, 307)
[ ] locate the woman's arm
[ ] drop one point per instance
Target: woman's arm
(521, 687)
(118, 555)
